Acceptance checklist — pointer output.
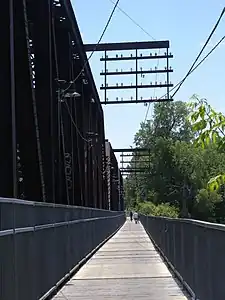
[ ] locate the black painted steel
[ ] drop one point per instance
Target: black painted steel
(125, 87)
(53, 141)
(127, 46)
(131, 150)
(136, 57)
(114, 180)
(136, 72)
(127, 101)
(6, 128)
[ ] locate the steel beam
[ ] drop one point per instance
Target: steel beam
(134, 161)
(134, 155)
(80, 47)
(136, 101)
(7, 151)
(131, 150)
(126, 87)
(27, 125)
(126, 46)
(136, 72)
(115, 183)
(142, 57)
(45, 91)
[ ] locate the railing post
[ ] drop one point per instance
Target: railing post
(210, 278)
(174, 244)
(182, 249)
(195, 271)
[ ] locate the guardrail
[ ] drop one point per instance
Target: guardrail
(195, 250)
(42, 244)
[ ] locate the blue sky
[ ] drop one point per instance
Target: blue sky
(186, 24)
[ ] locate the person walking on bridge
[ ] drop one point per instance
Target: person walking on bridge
(131, 216)
(135, 215)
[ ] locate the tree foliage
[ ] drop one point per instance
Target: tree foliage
(165, 209)
(209, 127)
(185, 158)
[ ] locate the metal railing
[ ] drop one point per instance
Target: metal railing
(195, 250)
(40, 244)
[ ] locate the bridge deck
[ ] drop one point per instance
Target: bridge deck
(126, 267)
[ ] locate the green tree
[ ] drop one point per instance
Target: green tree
(209, 128)
(151, 209)
(205, 205)
(178, 168)
(169, 124)
(170, 121)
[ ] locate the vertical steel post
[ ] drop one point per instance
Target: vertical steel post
(59, 145)
(136, 75)
(13, 100)
(105, 76)
(167, 72)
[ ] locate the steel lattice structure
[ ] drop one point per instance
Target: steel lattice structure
(132, 166)
(114, 180)
(132, 52)
(51, 126)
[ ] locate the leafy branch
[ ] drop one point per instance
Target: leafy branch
(208, 126)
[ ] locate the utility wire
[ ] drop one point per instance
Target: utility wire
(146, 32)
(80, 134)
(128, 16)
(204, 58)
(179, 84)
(74, 123)
(200, 53)
(104, 30)
(146, 115)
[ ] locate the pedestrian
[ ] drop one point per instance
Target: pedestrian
(131, 216)
(135, 216)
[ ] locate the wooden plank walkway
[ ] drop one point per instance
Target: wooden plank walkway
(126, 267)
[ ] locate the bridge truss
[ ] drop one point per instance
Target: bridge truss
(51, 120)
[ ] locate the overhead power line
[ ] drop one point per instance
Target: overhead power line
(106, 26)
(204, 58)
(146, 115)
(136, 23)
(200, 53)
(74, 123)
(103, 32)
(146, 32)
(179, 84)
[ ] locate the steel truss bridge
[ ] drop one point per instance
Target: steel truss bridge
(61, 186)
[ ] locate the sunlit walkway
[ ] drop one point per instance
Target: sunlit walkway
(126, 267)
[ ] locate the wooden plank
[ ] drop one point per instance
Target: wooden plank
(126, 267)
